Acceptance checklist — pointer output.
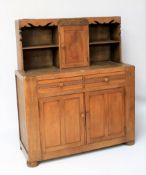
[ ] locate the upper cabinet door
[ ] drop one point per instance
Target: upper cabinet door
(74, 46)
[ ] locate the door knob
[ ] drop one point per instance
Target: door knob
(62, 46)
(83, 115)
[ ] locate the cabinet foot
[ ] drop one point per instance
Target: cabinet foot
(32, 164)
(130, 143)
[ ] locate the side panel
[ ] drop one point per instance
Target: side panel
(21, 112)
(130, 105)
(32, 120)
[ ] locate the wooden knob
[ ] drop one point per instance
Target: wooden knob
(82, 115)
(62, 46)
(61, 84)
(106, 79)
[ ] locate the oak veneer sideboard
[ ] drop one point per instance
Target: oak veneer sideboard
(74, 93)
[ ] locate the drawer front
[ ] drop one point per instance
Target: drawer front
(61, 85)
(104, 79)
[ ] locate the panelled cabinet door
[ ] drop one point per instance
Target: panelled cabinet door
(116, 113)
(74, 46)
(50, 123)
(73, 119)
(95, 116)
(105, 114)
(61, 122)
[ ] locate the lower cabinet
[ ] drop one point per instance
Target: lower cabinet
(62, 116)
(62, 122)
(65, 119)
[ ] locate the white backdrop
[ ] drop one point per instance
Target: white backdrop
(133, 14)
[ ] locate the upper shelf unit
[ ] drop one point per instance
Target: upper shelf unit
(67, 43)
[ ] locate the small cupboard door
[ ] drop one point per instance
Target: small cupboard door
(61, 122)
(74, 46)
(105, 114)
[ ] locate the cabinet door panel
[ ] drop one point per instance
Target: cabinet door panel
(105, 114)
(116, 111)
(50, 123)
(73, 122)
(74, 46)
(61, 122)
(96, 115)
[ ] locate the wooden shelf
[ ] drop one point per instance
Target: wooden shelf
(104, 42)
(40, 47)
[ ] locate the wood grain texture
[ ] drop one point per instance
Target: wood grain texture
(116, 112)
(61, 122)
(105, 114)
(22, 113)
(39, 36)
(130, 105)
(84, 148)
(73, 21)
(95, 116)
(50, 124)
(44, 22)
(104, 20)
(51, 87)
(37, 22)
(32, 120)
(19, 47)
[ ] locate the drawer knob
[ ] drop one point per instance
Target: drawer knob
(61, 84)
(106, 79)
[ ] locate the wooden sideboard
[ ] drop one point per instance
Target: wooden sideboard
(74, 93)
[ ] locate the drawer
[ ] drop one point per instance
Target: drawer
(104, 79)
(51, 86)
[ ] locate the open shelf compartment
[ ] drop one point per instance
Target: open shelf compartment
(104, 32)
(41, 58)
(104, 42)
(39, 36)
(40, 47)
(100, 53)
